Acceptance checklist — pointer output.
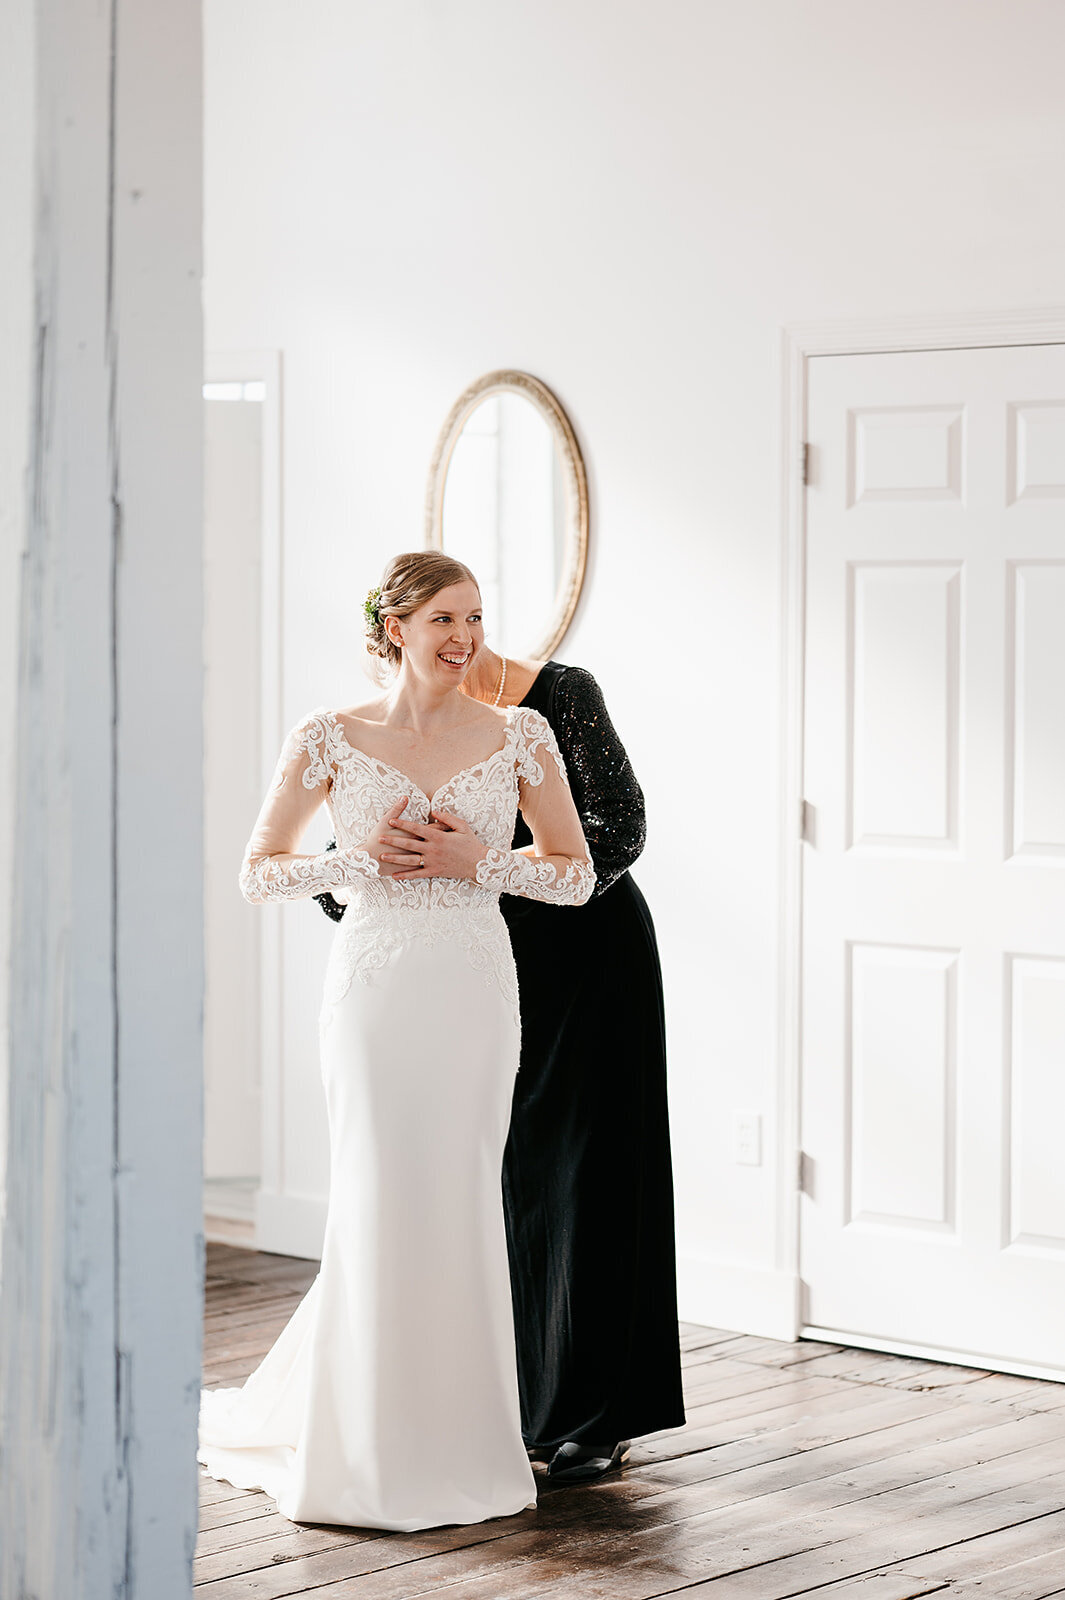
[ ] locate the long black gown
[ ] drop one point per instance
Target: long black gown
(587, 1179)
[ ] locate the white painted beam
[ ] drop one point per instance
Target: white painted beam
(102, 1252)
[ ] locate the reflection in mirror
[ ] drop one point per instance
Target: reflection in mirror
(507, 496)
(503, 508)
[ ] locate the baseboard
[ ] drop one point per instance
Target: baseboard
(229, 1211)
(727, 1294)
(230, 1197)
(290, 1225)
(937, 1353)
(224, 1230)
(714, 1294)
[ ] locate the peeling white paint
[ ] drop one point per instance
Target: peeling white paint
(102, 1251)
(17, 343)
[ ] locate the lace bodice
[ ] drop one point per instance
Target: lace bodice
(608, 797)
(319, 763)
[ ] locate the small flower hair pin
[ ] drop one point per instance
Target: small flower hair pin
(372, 609)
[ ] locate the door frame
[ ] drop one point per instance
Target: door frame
(799, 344)
(265, 367)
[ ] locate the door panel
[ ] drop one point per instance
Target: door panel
(903, 621)
(900, 1085)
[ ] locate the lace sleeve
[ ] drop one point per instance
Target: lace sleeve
(334, 909)
(271, 870)
(560, 870)
(607, 795)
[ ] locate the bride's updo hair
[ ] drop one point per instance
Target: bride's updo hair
(409, 581)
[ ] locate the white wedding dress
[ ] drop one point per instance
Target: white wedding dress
(390, 1398)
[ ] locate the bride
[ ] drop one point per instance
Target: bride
(390, 1398)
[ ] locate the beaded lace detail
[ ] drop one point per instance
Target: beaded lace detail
(383, 912)
(270, 880)
(510, 872)
(302, 759)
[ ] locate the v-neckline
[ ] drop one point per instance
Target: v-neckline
(378, 761)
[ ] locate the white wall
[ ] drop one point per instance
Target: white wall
(628, 201)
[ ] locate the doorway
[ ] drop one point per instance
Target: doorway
(932, 1093)
(241, 515)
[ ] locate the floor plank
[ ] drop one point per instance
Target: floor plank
(879, 1586)
(804, 1469)
(1043, 1537)
(1019, 1583)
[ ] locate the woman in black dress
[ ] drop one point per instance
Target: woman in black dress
(587, 1180)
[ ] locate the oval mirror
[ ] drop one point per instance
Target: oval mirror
(509, 497)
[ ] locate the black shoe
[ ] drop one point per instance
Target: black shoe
(583, 1463)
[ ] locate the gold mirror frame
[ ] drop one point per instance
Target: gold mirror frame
(574, 478)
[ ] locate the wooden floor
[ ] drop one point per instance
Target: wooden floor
(804, 1469)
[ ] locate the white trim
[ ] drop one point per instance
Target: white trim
(792, 666)
(799, 344)
(264, 366)
(242, 366)
(926, 1352)
(729, 1294)
(947, 331)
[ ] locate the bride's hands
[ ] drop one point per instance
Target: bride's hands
(444, 847)
(384, 839)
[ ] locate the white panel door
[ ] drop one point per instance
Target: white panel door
(933, 1100)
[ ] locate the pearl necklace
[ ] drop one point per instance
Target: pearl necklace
(502, 681)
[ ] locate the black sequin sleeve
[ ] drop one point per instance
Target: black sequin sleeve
(331, 907)
(608, 798)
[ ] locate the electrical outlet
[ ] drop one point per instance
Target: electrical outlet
(747, 1139)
